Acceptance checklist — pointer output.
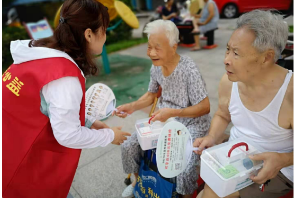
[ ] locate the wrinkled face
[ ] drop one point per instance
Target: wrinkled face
(96, 41)
(242, 60)
(159, 49)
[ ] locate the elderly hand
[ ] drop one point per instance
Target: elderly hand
(204, 142)
(273, 162)
(99, 125)
(163, 114)
(124, 110)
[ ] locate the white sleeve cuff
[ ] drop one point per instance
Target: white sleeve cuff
(89, 120)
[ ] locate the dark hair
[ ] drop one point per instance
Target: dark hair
(75, 17)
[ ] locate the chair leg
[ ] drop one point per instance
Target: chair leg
(127, 180)
(210, 40)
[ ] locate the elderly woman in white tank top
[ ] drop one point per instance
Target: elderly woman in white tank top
(256, 95)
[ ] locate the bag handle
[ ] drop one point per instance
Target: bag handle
(148, 156)
(236, 146)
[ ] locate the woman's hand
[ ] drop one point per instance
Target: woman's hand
(163, 114)
(124, 110)
(119, 136)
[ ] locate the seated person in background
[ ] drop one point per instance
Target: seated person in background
(257, 96)
(184, 96)
(170, 12)
(207, 21)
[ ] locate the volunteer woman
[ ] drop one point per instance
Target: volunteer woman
(44, 125)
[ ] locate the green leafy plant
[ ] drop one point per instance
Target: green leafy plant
(291, 28)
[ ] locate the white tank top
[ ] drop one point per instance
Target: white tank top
(262, 127)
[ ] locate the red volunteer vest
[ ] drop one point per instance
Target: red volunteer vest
(34, 164)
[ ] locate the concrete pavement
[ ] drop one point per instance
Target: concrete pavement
(100, 174)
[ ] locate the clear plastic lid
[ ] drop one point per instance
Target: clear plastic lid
(146, 129)
(232, 158)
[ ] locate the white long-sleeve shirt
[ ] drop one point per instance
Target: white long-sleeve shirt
(60, 101)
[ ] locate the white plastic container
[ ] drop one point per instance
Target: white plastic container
(148, 133)
(226, 167)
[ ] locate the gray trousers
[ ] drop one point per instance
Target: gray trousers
(186, 181)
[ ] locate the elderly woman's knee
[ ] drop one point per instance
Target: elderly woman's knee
(129, 148)
(126, 147)
(189, 176)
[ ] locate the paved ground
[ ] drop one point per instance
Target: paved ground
(99, 174)
(128, 78)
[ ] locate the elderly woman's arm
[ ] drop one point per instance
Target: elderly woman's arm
(197, 97)
(197, 110)
(210, 16)
(193, 111)
(146, 100)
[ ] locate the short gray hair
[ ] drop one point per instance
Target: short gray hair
(270, 29)
(168, 27)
